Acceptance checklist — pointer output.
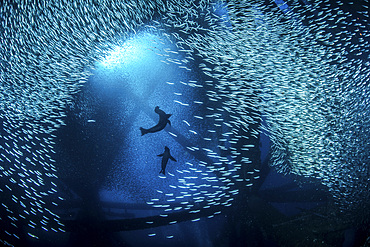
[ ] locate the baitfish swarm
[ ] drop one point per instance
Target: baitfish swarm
(315, 94)
(298, 67)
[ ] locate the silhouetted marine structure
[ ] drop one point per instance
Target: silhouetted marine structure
(251, 214)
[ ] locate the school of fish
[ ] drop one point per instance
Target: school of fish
(302, 69)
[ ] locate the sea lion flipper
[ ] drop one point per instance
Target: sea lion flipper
(143, 131)
(169, 122)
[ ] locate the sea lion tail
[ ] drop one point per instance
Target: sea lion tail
(162, 171)
(143, 131)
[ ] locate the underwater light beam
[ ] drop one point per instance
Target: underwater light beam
(136, 50)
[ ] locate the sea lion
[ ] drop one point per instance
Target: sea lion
(165, 156)
(163, 121)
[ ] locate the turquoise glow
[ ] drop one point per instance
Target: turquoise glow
(137, 49)
(138, 63)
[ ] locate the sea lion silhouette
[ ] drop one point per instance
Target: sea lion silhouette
(163, 121)
(165, 156)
